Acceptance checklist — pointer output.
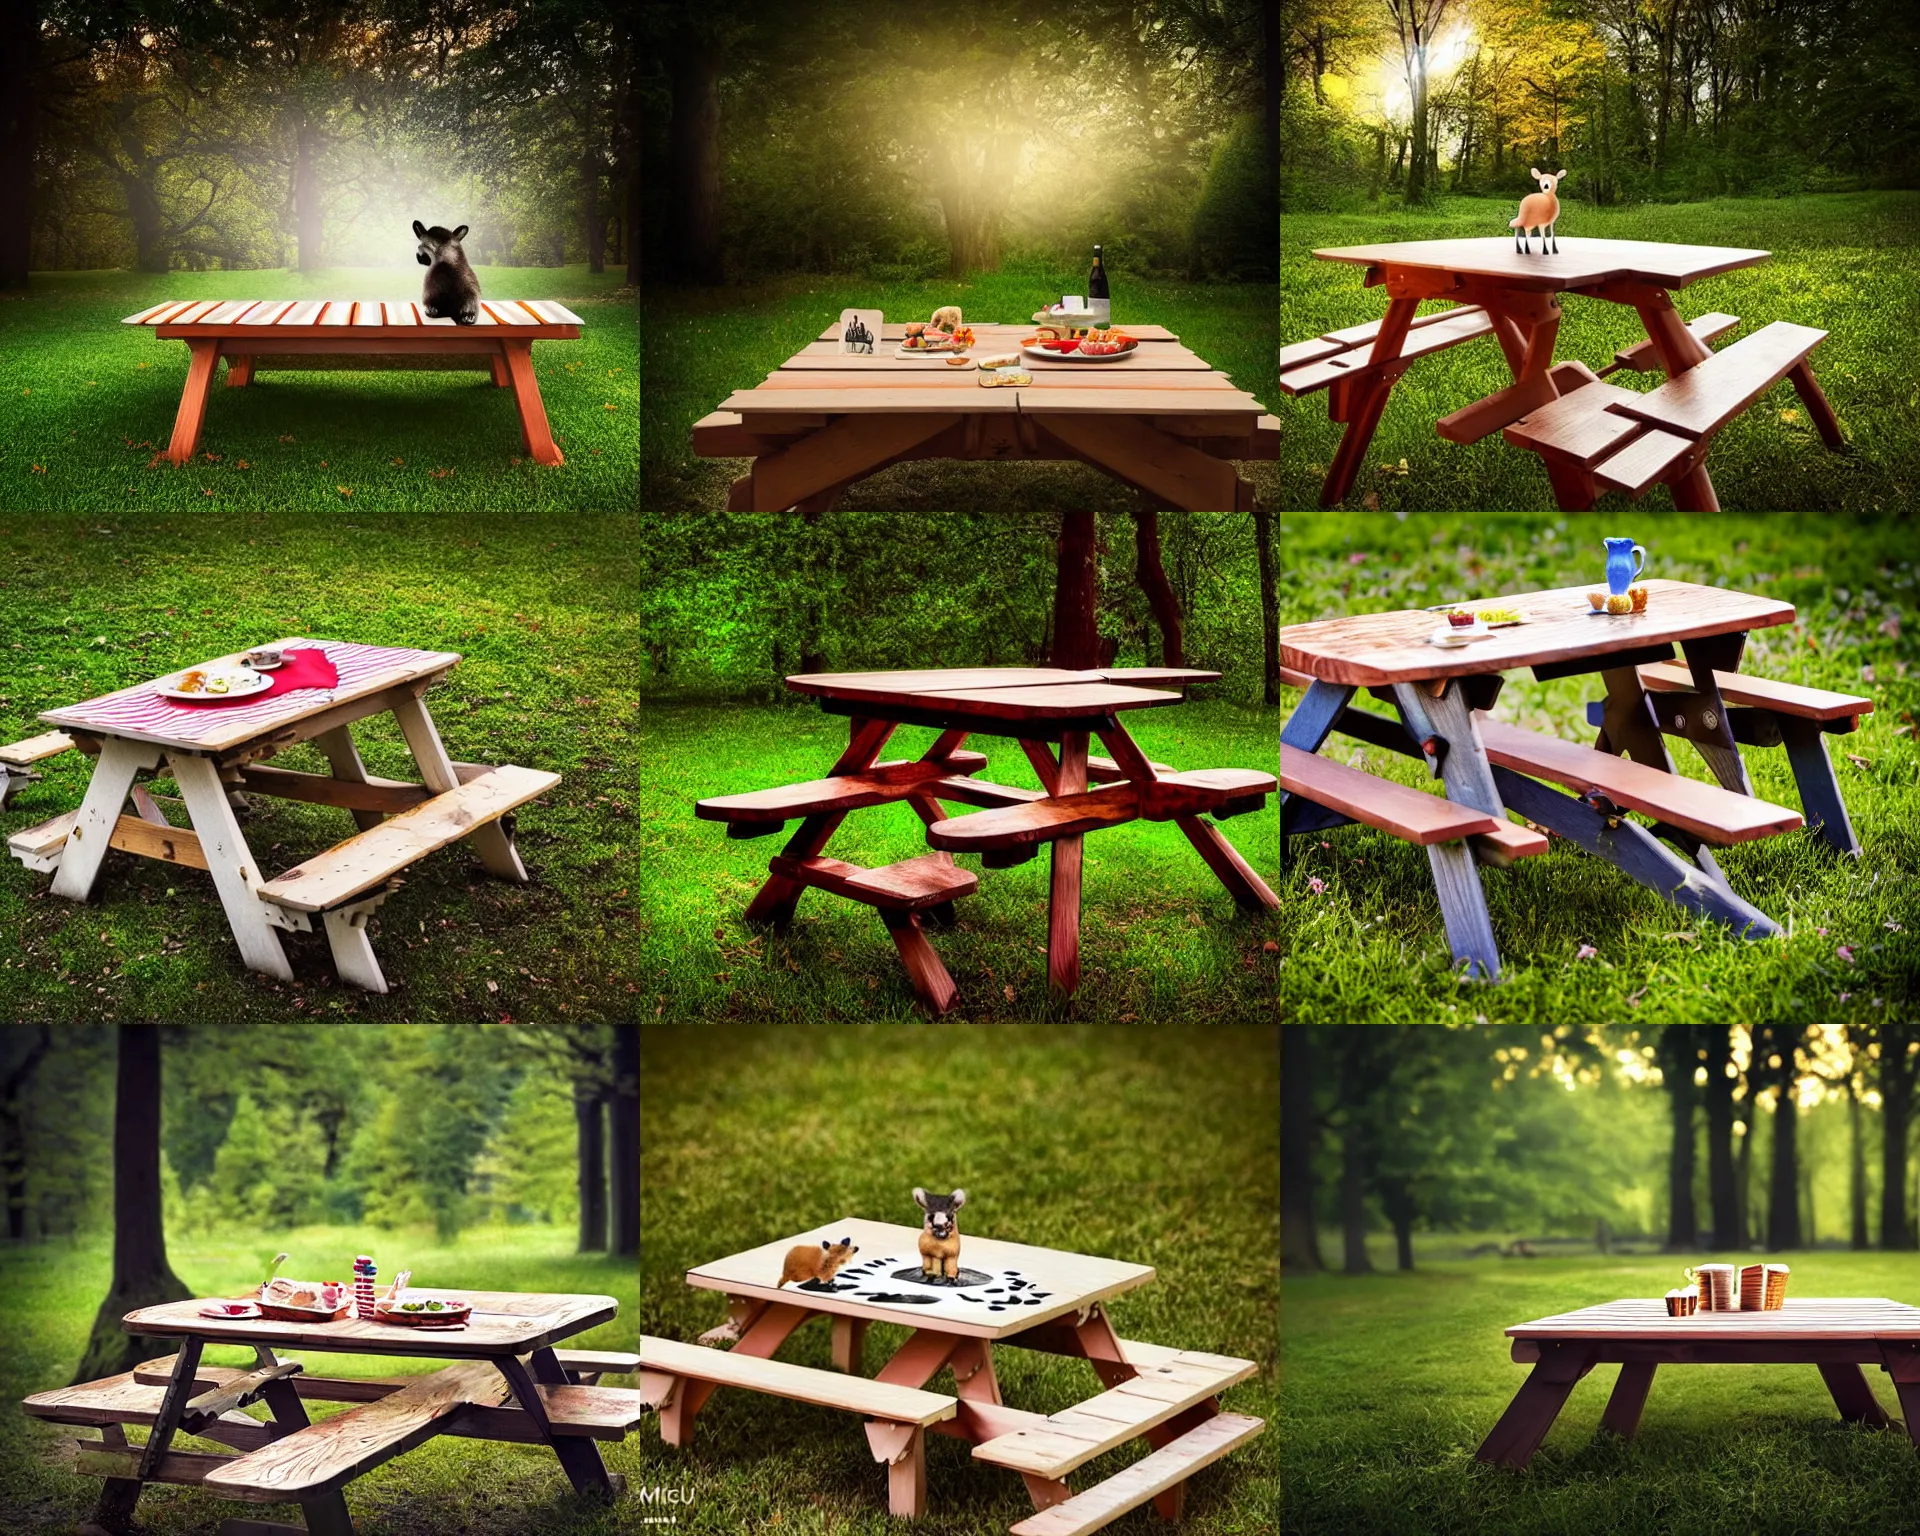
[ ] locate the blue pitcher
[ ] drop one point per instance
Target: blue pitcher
(1621, 570)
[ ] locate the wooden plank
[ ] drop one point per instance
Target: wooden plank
(267, 313)
(1578, 425)
(1744, 688)
(399, 312)
(306, 313)
(827, 1389)
(1805, 1318)
(1370, 650)
(508, 314)
(912, 884)
(193, 314)
(518, 1321)
(337, 312)
(1700, 401)
(1059, 701)
(326, 1456)
(220, 314)
(849, 448)
(896, 330)
(1507, 842)
(387, 796)
(1713, 814)
(1195, 395)
(187, 1468)
(873, 401)
(910, 681)
(1172, 1464)
(1407, 813)
(146, 315)
(1142, 455)
(1581, 263)
(1649, 458)
(1642, 357)
(1042, 821)
(34, 749)
(364, 861)
(814, 797)
(555, 311)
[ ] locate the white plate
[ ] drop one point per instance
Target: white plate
(1077, 357)
(241, 683)
(1449, 639)
(946, 351)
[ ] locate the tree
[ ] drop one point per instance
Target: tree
(142, 1276)
(1152, 576)
(14, 1088)
(1269, 607)
(1716, 1053)
(1678, 1058)
(1782, 1070)
(1415, 23)
(1299, 1132)
(623, 1141)
(20, 71)
(1897, 1073)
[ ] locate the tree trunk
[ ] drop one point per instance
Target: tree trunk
(1683, 1228)
(1417, 162)
(1152, 576)
(1898, 1071)
(1299, 1239)
(306, 194)
(13, 1131)
(694, 253)
(1076, 597)
(1783, 1189)
(1353, 1197)
(141, 1275)
(19, 134)
(588, 1117)
(1743, 1166)
(1728, 1230)
(623, 1142)
(151, 252)
(593, 223)
(1399, 1208)
(1856, 1171)
(1276, 82)
(1269, 606)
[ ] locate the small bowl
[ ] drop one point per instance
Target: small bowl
(265, 660)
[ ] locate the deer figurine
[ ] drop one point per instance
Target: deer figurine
(1539, 210)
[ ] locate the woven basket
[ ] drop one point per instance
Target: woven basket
(1776, 1291)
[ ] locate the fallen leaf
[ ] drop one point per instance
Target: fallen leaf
(493, 986)
(1789, 415)
(242, 464)
(1844, 952)
(211, 458)
(1858, 761)
(344, 490)
(396, 461)
(1372, 503)
(1687, 936)
(39, 469)
(286, 437)
(1844, 996)
(1271, 947)
(610, 407)
(1007, 992)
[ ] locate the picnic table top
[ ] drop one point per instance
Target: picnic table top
(1071, 1280)
(1162, 378)
(502, 1321)
(1008, 693)
(1373, 649)
(1582, 260)
(529, 319)
(1844, 1317)
(137, 713)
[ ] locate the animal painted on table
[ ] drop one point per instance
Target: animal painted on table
(451, 291)
(1539, 210)
(807, 1262)
(940, 1234)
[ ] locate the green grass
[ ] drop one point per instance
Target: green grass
(1160, 939)
(1393, 1380)
(1842, 263)
(702, 344)
(89, 400)
(444, 1487)
(541, 610)
(1157, 1147)
(1370, 945)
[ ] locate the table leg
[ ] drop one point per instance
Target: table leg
(766, 1334)
(1852, 1396)
(118, 1495)
(849, 1344)
(344, 758)
(1812, 397)
(579, 1457)
(502, 375)
(1629, 1398)
(1249, 892)
(1678, 349)
(1538, 316)
(1369, 402)
(916, 1362)
(776, 900)
(236, 874)
(202, 355)
(534, 432)
(1063, 888)
(490, 840)
(1535, 1406)
(107, 790)
(1819, 790)
(1628, 722)
(1708, 712)
(239, 372)
(1901, 1362)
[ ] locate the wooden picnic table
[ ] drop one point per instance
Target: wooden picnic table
(1488, 767)
(1519, 294)
(253, 334)
(1837, 1334)
(1162, 419)
(1036, 706)
(216, 753)
(1029, 1297)
(508, 1384)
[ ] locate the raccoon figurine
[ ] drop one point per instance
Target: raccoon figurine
(451, 291)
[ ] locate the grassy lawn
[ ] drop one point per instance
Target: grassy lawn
(445, 1486)
(1841, 263)
(1363, 937)
(1393, 1380)
(1173, 1161)
(702, 344)
(542, 613)
(1160, 938)
(90, 400)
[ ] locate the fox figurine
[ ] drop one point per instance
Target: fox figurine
(807, 1262)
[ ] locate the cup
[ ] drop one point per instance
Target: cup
(1753, 1287)
(1621, 570)
(1682, 1303)
(1716, 1287)
(1776, 1297)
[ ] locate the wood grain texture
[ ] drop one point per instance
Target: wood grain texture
(1407, 813)
(511, 1320)
(1715, 815)
(1068, 814)
(21, 754)
(1801, 1319)
(827, 1389)
(909, 885)
(841, 793)
(1373, 649)
(1582, 261)
(1173, 1463)
(1702, 400)
(1641, 357)
(1761, 692)
(1578, 426)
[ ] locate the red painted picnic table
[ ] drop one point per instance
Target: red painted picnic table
(1520, 293)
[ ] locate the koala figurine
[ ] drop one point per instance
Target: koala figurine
(821, 1264)
(451, 291)
(940, 1235)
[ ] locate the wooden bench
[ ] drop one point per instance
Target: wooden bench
(763, 812)
(1772, 714)
(1152, 1475)
(907, 1410)
(929, 884)
(1342, 356)
(17, 759)
(1598, 437)
(335, 885)
(1642, 357)
(284, 333)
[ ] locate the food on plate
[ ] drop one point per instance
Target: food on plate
(1639, 596)
(192, 682)
(1619, 603)
(915, 327)
(218, 685)
(1045, 333)
(1459, 618)
(1599, 601)
(1001, 360)
(1499, 615)
(959, 362)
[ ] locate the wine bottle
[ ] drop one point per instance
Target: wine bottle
(1097, 299)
